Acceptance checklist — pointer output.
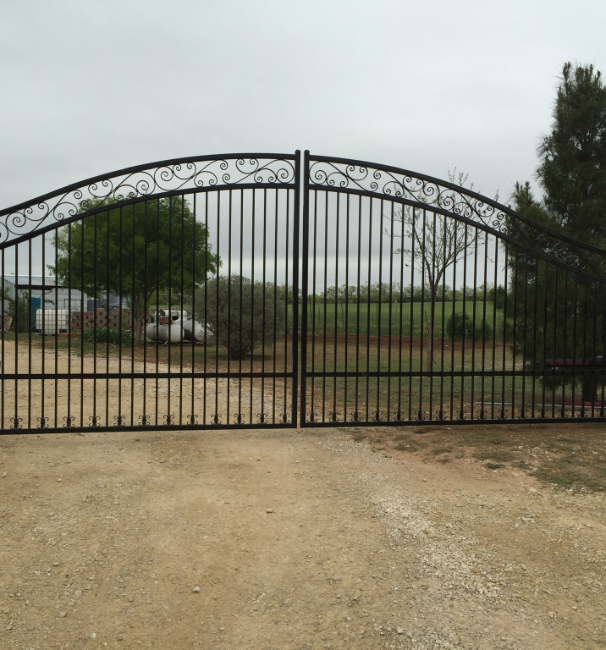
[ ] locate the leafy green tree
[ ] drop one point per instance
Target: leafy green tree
(135, 251)
(239, 315)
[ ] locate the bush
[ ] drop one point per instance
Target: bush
(459, 327)
(20, 309)
(239, 314)
(107, 335)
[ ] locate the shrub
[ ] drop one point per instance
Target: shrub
(20, 309)
(240, 315)
(459, 327)
(107, 335)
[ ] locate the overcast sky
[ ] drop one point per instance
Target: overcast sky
(93, 86)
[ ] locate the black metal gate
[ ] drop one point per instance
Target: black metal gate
(166, 290)
(183, 293)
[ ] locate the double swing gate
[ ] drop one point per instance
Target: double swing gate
(273, 290)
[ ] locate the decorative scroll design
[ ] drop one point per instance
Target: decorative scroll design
(144, 181)
(460, 202)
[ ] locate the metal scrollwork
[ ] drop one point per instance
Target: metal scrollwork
(69, 421)
(94, 420)
(433, 193)
(192, 419)
(42, 423)
(216, 418)
(144, 420)
(119, 420)
(145, 181)
(169, 419)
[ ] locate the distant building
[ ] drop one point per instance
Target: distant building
(42, 291)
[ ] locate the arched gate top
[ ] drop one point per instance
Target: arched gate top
(412, 188)
(178, 175)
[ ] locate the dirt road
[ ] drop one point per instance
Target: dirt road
(287, 540)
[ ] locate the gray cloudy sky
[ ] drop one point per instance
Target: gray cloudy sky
(96, 85)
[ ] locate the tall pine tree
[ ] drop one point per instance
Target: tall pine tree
(573, 156)
(561, 314)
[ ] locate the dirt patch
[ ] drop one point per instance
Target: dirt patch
(292, 540)
(561, 456)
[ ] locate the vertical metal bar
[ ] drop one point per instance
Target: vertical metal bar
(516, 286)
(358, 308)
(264, 306)
(313, 319)
(423, 251)
(554, 320)
(537, 273)
(336, 328)
(325, 308)
(181, 308)
(494, 324)
(296, 233)
(252, 295)
(379, 314)
(83, 257)
(464, 322)
(445, 244)
(229, 273)
(107, 283)
(274, 338)
(575, 319)
(16, 321)
(241, 304)
(169, 381)
(368, 308)
(206, 245)
(483, 362)
(400, 415)
(505, 305)
(453, 316)
(194, 316)
(95, 302)
(120, 263)
(474, 323)
(594, 352)
(136, 324)
(565, 345)
(158, 319)
(413, 211)
(390, 312)
(433, 287)
(346, 323)
(56, 381)
(29, 337)
(584, 355)
(304, 282)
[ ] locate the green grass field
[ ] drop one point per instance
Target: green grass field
(408, 319)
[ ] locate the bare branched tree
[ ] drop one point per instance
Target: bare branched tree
(437, 243)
